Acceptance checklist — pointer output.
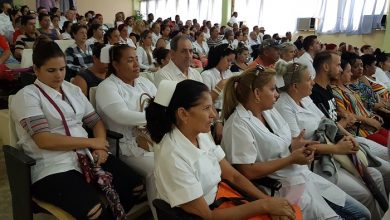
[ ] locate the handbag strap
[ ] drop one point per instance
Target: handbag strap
(142, 102)
(67, 131)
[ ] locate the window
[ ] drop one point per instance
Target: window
(187, 9)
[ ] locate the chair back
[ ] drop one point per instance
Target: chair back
(64, 44)
(13, 138)
(26, 61)
(92, 96)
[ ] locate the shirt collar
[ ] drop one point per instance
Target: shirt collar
(172, 66)
(120, 82)
(187, 149)
(50, 91)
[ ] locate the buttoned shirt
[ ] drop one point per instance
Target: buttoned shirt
(172, 72)
(184, 172)
(30, 102)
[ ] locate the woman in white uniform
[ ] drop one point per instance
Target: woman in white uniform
(189, 166)
(299, 111)
(49, 116)
(118, 103)
(256, 140)
(217, 72)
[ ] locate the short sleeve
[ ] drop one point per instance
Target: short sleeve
(239, 144)
(26, 103)
(176, 181)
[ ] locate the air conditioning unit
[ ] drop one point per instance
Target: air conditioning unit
(306, 24)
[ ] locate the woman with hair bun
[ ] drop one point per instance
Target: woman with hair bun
(189, 166)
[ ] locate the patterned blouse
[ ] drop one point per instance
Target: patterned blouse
(351, 102)
(367, 94)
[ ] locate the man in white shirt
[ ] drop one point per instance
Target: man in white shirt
(178, 69)
(253, 39)
(155, 33)
(312, 46)
(6, 27)
(233, 19)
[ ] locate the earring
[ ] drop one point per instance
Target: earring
(257, 101)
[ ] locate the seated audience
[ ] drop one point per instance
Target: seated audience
(374, 96)
(118, 102)
(145, 52)
(44, 22)
(79, 55)
(268, 54)
(95, 74)
(201, 49)
(382, 72)
(162, 56)
(190, 167)
(258, 142)
(58, 148)
(5, 52)
(95, 34)
(299, 111)
(179, 68)
(217, 71)
(112, 36)
(311, 46)
(215, 39)
(26, 40)
(124, 37)
(66, 30)
(241, 61)
(287, 51)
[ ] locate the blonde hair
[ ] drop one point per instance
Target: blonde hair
(290, 72)
(238, 88)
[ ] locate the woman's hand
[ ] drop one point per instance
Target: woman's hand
(99, 144)
(100, 155)
(302, 156)
(346, 146)
(221, 84)
(278, 207)
(373, 123)
(299, 141)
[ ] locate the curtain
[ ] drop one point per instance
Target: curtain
(334, 16)
(351, 16)
(187, 9)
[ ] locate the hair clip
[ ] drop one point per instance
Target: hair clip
(259, 68)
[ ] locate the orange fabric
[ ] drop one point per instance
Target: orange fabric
(224, 190)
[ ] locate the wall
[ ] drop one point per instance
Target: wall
(376, 38)
(106, 7)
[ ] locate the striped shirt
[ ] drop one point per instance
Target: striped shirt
(76, 58)
(350, 101)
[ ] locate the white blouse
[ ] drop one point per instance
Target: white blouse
(143, 58)
(118, 104)
(307, 117)
(201, 49)
(184, 172)
(211, 78)
(247, 140)
(30, 102)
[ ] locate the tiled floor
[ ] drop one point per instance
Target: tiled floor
(5, 195)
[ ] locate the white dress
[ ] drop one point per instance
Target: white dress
(184, 172)
(247, 140)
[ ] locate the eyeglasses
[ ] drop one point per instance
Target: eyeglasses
(259, 69)
(295, 71)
